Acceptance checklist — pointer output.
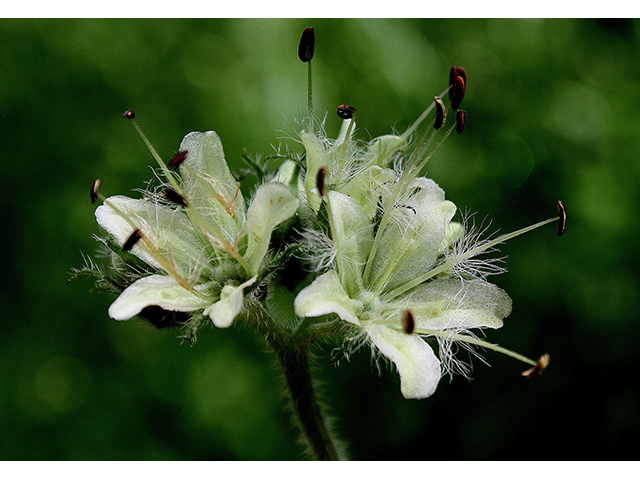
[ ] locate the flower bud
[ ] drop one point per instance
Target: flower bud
(128, 114)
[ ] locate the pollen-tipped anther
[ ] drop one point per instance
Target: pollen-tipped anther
(408, 322)
(538, 368)
(453, 73)
(177, 159)
(441, 114)
(458, 87)
(307, 43)
(132, 240)
(461, 117)
(174, 197)
(322, 173)
(346, 111)
(95, 190)
(562, 218)
(128, 114)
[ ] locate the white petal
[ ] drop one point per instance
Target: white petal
(168, 229)
(326, 295)
(352, 235)
(455, 304)
(158, 290)
(381, 150)
(210, 186)
(272, 204)
(413, 240)
(225, 310)
(418, 366)
(367, 185)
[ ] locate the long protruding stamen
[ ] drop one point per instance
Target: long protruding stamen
(451, 262)
(476, 341)
(421, 118)
(305, 54)
(408, 175)
(169, 175)
(210, 231)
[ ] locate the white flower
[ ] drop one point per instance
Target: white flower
(395, 274)
(205, 250)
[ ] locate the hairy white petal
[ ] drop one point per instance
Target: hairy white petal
(168, 229)
(225, 310)
(418, 366)
(352, 236)
(272, 204)
(326, 295)
(413, 240)
(159, 290)
(455, 304)
(208, 182)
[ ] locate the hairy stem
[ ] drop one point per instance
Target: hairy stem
(297, 374)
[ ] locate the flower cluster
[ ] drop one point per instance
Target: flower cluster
(373, 245)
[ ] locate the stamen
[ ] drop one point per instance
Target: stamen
(346, 111)
(177, 159)
(461, 73)
(472, 252)
(305, 54)
(461, 117)
(132, 240)
(458, 89)
(307, 44)
(476, 341)
(408, 322)
(441, 114)
(453, 74)
(538, 368)
(95, 186)
(322, 173)
(562, 219)
(173, 196)
(165, 170)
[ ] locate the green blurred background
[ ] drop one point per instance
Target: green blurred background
(552, 114)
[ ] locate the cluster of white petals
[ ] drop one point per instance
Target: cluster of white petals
(393, 235)
(207, 251)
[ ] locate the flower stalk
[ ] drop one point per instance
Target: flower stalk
(294, 360)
